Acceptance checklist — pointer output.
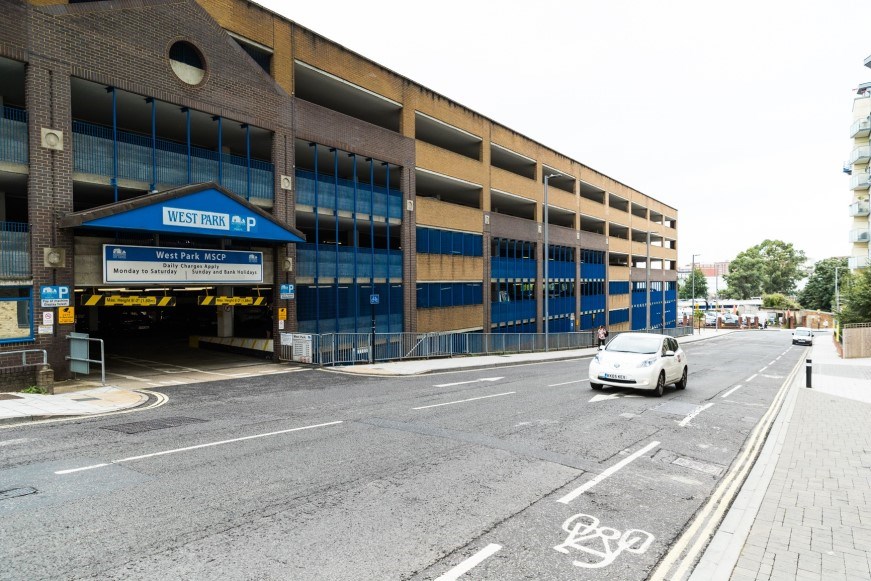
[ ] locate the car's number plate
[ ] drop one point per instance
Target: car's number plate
(613, 376)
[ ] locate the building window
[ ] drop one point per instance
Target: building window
(16, 314)
(187, 62)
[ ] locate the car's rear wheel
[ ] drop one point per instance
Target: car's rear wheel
(682, 384)
(660, 385)
(596, 386)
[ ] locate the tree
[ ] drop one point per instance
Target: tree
(819, 292)
(856, 298)
(778, 301)
(700, 287)
(773, 266)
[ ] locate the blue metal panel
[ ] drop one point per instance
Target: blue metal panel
(13, 135)
(208, 212)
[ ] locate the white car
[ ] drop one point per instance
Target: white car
(711, 318)
(803, 335)
(640, 361)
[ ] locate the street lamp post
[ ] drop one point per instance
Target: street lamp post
(693, 275)
(546, 270)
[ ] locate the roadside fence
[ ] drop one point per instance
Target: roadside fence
(351, 348)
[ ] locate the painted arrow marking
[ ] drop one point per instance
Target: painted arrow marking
(617, 395)
(468, 382)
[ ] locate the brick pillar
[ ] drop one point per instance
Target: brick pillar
(284, 210)
(409, 251)
(49, 195)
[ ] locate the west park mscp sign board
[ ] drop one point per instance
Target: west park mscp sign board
(150, 264)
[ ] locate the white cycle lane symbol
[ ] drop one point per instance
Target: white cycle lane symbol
(600, 545)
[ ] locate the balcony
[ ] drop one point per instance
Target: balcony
(860, 208)
(353, 263)
(14, 251)
(165, 162)
(860, 181)
(859, 236)
(360, 198)
(855, 262)
(860, 155)
(13, 135)
(860, 128)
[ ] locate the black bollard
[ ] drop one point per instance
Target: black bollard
(807, 370)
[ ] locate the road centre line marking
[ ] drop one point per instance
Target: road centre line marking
(773, 362)
(591, 483)
(569, 382)
(13, 442)
(751, 378)
(763, 369)
(470, 563)
(687, 419)
(731, 390)
(198, 446)
(467, 382)
(464, 400)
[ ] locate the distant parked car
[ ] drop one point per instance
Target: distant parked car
(711, 318)
(730, 319)
(802, 336)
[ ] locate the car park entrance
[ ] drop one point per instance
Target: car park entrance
(179, 272)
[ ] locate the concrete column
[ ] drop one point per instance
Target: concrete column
(225, 313)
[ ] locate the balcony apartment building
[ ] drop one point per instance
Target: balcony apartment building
(860, 177)
(135, 127)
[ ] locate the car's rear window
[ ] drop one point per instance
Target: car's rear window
(628, 343)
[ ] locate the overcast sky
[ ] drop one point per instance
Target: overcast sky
(736, 113)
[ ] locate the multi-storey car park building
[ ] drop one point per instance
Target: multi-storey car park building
(860, 177)
(160, 156)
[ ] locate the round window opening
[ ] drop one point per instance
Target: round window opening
(187, 62)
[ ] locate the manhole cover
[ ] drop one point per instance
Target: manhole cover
(15, 492)
(147, 426)
(9, 396)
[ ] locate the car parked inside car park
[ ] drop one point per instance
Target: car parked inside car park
(640, 361)
(711, 319)
(802, 336)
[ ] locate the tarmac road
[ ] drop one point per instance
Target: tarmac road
(518, 472)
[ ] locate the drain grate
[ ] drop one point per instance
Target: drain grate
(9, 396)
(149, 425)
(16, 492)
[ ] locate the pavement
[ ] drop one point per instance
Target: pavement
(804, 511)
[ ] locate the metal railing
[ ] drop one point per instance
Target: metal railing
(138, 158)
(13, 135)
(25, 357)
(351, 348)
(14, 250)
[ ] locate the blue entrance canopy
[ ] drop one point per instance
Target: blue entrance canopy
(197, 210)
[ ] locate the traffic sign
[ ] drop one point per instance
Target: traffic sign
(286, 291)
(54, 296)
(374, 299)
(66, 315)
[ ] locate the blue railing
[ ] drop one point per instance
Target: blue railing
(348, 258)
(592, 271)
(561, 269)
(511, 311)
(366, 199)
(560, 306)
(13, 135)
(93, 153)
(507, 268)
(14, 250)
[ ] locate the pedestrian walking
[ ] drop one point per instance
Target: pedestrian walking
(601, 334)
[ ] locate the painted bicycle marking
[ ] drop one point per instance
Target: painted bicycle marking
(600, 545)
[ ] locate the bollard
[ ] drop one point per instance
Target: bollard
(807, 370)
